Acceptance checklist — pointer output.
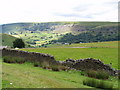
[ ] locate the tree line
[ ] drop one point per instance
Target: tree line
(87, 37)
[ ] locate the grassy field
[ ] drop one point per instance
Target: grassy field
(7, 40)
(27, 76)
(105, 51)
(111, 44)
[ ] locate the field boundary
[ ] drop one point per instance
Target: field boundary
(48, 60)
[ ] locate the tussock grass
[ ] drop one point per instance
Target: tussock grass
(98, 74)
(27, 76)
(98, 84)
(10, 59)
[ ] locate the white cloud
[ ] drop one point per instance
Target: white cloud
(57, 10)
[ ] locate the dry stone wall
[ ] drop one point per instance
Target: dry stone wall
(82, 64)
(29, 56)
(89, 64)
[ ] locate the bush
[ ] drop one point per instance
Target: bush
(10, 59)
(18, 43)
(98, 84)
(98, 74)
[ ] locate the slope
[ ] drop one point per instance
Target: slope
(7, 40)
(37, 34)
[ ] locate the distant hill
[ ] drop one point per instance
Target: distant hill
(91, 32)
(7, 40)
(37, 34)
(56, 27)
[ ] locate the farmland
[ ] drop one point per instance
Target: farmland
(27, 76)
(39, 34)
(105, 51)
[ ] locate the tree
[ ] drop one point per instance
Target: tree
(18, 43)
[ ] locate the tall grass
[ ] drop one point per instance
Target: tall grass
(10, 59)
(98, 74)
(59, 68)
(98, 84)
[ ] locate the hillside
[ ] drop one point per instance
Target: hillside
(27, 76)
(56, 26)
(38, 34)
(7, 40)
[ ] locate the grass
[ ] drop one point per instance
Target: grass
(110, 44)
(27, 76)
(7, 40)
(42, 37)
(98, 84)
(98, 74)
(107, 55)
(9, 59)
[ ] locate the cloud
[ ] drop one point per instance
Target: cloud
(58, 10)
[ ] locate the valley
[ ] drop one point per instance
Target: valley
(30, 67)
(44, 34)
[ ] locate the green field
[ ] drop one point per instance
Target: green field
(28, 76)
(110, 44)
(105, 51)
(37, 34)
(7, 40)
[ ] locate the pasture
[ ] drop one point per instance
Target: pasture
(105, 51)
(27, 76)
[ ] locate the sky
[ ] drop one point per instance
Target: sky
(13, 11)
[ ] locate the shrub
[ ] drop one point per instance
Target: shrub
(98, 74)
(10, 59)
(98, 84)
(18, 43)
